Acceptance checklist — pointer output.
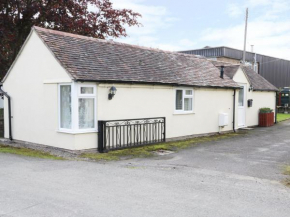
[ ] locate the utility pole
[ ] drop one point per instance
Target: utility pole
(245, 38)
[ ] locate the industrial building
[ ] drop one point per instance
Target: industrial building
(275, 70)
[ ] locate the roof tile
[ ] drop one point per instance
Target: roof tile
(93, 59)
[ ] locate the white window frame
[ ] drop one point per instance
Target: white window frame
(59, 108)
(182, 111)
(75, 96)
(86, 96)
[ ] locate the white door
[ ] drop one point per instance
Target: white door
(242, 106)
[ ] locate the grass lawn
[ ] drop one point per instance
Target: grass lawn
(282, 117)
(147, 151)
(287, 172)
(28, 152)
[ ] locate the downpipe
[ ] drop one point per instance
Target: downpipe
(276, 94)
(9, 110)
(234, 110)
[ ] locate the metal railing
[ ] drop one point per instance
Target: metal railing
(119, 134)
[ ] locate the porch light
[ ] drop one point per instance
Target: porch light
(112, 92)
(251, 88)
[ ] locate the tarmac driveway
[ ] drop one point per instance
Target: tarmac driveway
(240, 176)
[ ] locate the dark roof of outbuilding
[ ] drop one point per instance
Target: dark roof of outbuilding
(257, 81)
(90, 59)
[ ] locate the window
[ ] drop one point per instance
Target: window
(77, 108)
(87, 90)
(86, 107)
(184, 101)
(65, 107)
(241, 96)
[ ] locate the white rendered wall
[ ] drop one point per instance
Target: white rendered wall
(260, 99)
(32, 85)
(138, 101)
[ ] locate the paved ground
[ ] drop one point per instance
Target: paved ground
(235, 177)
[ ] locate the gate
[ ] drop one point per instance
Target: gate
(119, 134)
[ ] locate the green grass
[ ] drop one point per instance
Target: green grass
(147, 151)
(287, 172)
(282, 117)
(28, 152)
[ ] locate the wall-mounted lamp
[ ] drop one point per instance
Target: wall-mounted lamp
(112, 92)
(251, 88)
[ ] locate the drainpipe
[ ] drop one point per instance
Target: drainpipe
(234, 110)
(9, 110)
(276, 93)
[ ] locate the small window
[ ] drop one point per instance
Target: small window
(286, 94)
(184, 100)
(241, 96)
(86, 107)
(87, 90)
(179, 98)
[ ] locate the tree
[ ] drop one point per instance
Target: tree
(94, 18)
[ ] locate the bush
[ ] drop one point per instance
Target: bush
(266, 110)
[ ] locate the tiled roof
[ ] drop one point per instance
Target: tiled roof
(257, 81)
(90, 59)
(230, 71)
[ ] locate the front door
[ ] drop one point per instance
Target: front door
(242, 106)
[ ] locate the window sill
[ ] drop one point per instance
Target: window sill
(184, 113)
(77, 132)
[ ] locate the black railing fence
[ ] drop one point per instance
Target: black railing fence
(119, 134)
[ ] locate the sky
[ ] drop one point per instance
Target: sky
(190, 24)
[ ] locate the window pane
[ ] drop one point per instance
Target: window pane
(187, 104)
(178, 102)
(188, 92)
(86, 113)
(241, 97)
(87, 90)
(65, 106)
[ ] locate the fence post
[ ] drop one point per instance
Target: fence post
(101, 136)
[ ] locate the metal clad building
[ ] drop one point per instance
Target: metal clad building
(275, 70)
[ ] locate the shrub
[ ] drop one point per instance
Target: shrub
(266, 110)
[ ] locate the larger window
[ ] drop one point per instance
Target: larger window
(65, 107)
(184, 101)
(77, 107)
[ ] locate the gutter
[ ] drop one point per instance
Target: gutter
(234, 110)
(9, 110)
(153, 83)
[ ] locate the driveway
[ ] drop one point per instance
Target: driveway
(239, 176)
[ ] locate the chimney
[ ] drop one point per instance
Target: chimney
(222, 72)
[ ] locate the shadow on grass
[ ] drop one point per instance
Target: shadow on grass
(147, 151)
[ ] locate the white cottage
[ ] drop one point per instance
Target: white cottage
(256, 93)
(62, 86)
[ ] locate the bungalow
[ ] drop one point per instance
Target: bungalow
(75, 92)
(256, 92)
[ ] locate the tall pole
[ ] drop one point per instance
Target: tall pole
(245, 38)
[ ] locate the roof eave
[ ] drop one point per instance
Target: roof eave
(154, 83)
(266, 90)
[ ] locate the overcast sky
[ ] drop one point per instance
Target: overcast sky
(191, 24)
